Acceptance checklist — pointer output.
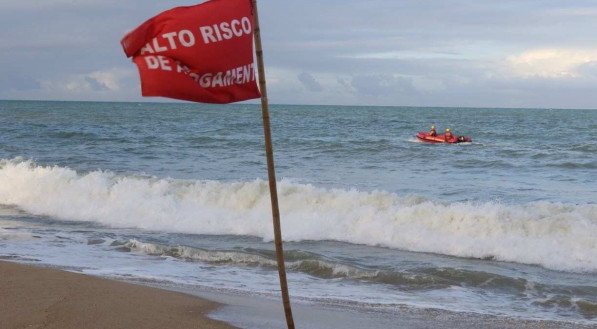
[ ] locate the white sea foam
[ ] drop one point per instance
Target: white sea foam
(11, 235)
(10, 230)
(413, 140)
(309, 265)
(554, 235)
(200, 254)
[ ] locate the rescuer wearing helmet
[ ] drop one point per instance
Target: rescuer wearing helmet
(448, 135)
(432, 132)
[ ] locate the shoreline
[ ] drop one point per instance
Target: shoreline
(35, 296)
(265, 313)
(40, 297)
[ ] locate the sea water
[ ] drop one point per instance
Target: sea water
(176, 194)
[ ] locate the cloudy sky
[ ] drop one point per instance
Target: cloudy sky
(509, 53)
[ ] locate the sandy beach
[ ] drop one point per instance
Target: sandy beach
(34, 297)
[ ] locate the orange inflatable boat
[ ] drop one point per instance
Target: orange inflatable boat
(440, 138)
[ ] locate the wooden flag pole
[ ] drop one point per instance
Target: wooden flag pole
(269, 151)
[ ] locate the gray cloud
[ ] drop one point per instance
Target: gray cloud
(381, 85)
(378, 52)
(309, 82)
(588, 69)
(17, 82)
(95, 84)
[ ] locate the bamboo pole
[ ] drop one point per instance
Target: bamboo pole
(269, 151)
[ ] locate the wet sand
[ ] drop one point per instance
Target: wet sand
(34, 297)
(268, 314)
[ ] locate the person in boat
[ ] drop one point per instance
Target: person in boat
(461, 139)
(448, 135)
(432, 132)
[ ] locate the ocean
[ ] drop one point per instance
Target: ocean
(176, 194)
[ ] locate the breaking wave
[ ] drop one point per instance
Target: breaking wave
(554, 235)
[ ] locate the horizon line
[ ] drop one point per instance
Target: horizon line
(283, 104)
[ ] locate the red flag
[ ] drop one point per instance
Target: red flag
(201, 53)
